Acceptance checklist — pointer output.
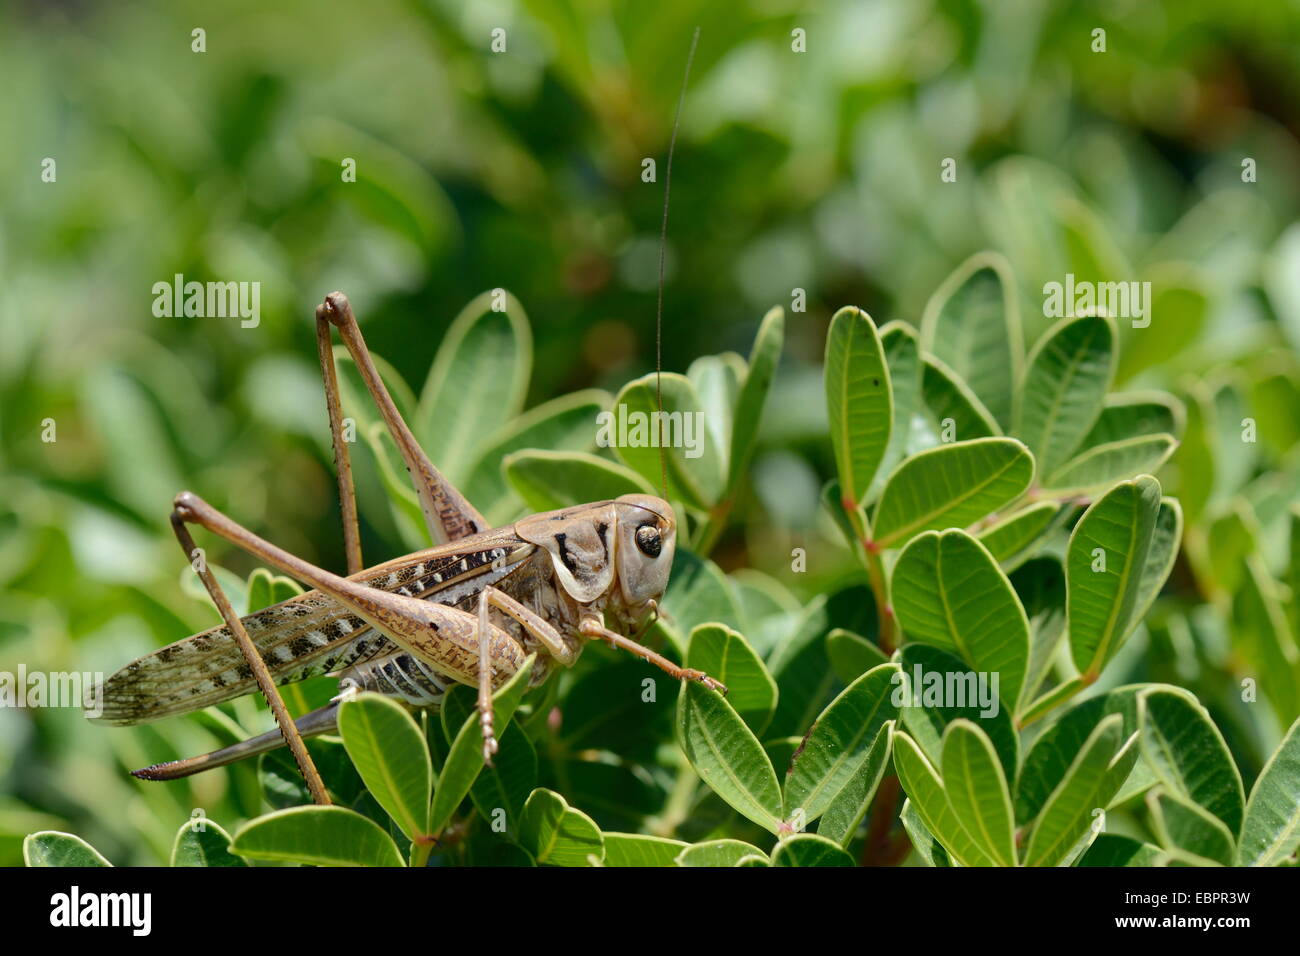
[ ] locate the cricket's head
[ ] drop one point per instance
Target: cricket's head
(647, 538)
(616, 553)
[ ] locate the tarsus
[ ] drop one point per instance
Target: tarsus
(663, 246)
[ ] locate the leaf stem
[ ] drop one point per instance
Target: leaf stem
(678, 807)
(420, 851)
(713, 526)
(875, 574)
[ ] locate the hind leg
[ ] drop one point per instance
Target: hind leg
(447, 513)
(254, 660)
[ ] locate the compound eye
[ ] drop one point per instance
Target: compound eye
(648, 540)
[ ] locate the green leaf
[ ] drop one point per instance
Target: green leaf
(613, 794)
(977, 791)
(903, 356)
(564, 424)
(951, 399)
(1011, 539)
(801, 668)
(972, 324)
(1293, 571)
(392, 197)
(696, 468)
(1262, 636)
(726, 656)
(948, 591)
(52, 848)
(1183, 826)
(1230, 540)
(604, 709)
(282, 784)
(1119, 555)
(1065, 385)
(402, 500)
(200, 842)
(1040, 585)
(839, 745)
(1196, 459)
(1135, 415)
(1094, 777)
(848, 808)
(1179, 306)
(550, 480)
(852, 655)
(636, 849)
(940, 689)
(809, 849)
(465, 759)
(926, 846)
(1188, 754)
(321, 836)
(265, 589)
(717, 382)
(477, 383)
(513, 775)
(1100, 466)
(499, 853)
(1048, 760)
(727, 755)
(389, 752)
(925, 792)
(556, 833)
(1271, 832)
(858, 399)
(718, 853)
(1049, 701)
(951, 486)
(1110, 849)
(1283, 285)
(356, 400)
(763, 359)
(698, 593)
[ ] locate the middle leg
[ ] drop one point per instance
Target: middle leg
(565, 652)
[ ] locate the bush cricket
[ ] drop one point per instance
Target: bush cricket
(469, 610)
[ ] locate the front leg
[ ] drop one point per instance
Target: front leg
(593, 627)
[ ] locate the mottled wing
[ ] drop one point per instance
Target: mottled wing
(306, 636)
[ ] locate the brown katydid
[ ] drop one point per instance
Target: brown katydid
(469, 610)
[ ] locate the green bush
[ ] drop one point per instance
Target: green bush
(1007, 557)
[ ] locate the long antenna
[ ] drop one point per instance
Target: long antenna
(663, 246)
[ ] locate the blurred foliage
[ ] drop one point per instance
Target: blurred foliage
(815, 171)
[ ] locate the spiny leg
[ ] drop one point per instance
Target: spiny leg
(592, 627)
(342, 459)
(485, 715)
(536, 625)
(261, 673)
(447, 513)
(439, 634)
